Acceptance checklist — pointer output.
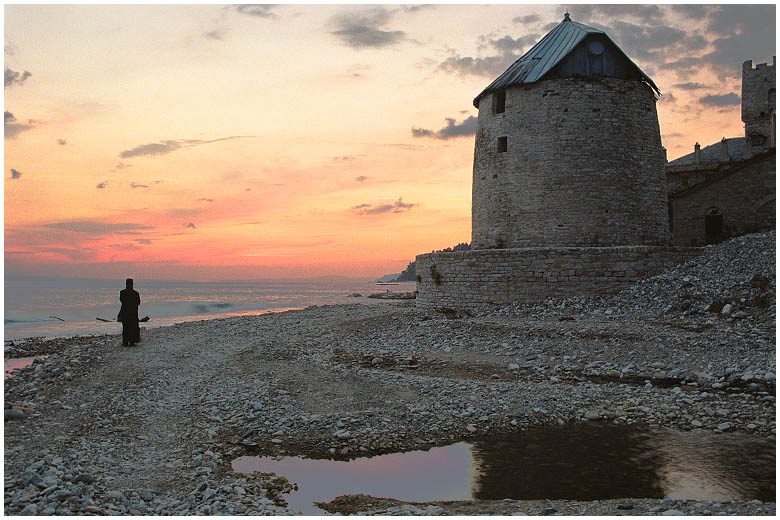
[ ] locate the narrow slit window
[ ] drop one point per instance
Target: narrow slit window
(500, 99)
(501, 144)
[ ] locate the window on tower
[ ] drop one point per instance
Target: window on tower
(502, 144)
(499, 102)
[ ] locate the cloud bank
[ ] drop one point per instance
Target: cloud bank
(452, 129)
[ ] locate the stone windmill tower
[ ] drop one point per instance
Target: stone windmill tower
(569, 189)
(568, 149)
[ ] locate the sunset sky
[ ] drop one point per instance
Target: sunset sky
(213, 142)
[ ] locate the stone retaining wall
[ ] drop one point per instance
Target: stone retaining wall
(483, 278)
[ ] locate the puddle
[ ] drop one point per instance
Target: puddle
(576, 462)
(17, 363)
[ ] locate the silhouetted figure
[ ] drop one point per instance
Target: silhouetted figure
(128, 314)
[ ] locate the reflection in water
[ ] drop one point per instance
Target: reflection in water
(417, 476)
(704, 467)
(16, 363)
(579, 461)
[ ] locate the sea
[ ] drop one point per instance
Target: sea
(64, 307)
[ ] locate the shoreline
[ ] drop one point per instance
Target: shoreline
(154, 428)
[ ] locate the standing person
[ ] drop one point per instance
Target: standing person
(128, 314)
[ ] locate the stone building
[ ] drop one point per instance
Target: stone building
(728, 188)
(569, 193)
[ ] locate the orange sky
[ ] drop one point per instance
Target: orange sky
(226, 142)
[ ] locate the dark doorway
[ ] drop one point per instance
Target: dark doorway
(713, 224)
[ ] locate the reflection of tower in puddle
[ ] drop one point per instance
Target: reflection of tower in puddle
(707, 466)
(577, 461)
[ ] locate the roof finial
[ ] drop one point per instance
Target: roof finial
(566, 17)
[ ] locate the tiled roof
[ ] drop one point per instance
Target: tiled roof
(711, 153)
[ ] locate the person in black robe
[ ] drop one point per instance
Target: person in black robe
(128, 314)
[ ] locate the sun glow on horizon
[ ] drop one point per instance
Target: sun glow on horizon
(206, 142)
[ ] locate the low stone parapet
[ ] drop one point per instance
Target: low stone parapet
(484, 278)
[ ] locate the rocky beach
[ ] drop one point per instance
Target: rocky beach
(95, 428)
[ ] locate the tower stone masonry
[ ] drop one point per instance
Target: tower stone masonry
(569, 188)
(758, 103)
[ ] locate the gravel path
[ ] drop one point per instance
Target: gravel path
(152, 429)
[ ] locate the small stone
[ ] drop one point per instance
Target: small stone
(547, 511)
(726, 310)
(673, 512)
(197, 461)
(471, 428)
(513, 366)
(724, 426)
(376, 361)
(146, 494)
(29, 510)
(593, 415)
(625, 507)
(276, 441)
(696, 424)
(14, 415)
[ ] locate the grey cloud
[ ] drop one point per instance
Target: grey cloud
(417, 7)
(668, 98)
(466, 65)
(15, 174)
(121, 166)
(102, 185)
(362, 29)
(721, 100)
(507, 44)
(190, 225)
(726, 60)
(645, 13)
(672, 135)
(144, 241)
(62, 142)
(730, 19)
(690, 86)
(465, 128)
(205, 200)
(258, 11)
(528, 19)
(15, 78)
(695, 11)
(95, 227)
(171, 145)
(644, 41)
(152, 149)
(361, 178)
(10, 50)
(216, 34)
(12, 128)
(508, 49)
(135, 185)
(398, 206)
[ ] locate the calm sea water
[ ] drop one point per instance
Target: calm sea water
(55, 307)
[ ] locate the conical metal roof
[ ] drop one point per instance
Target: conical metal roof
(547, 53)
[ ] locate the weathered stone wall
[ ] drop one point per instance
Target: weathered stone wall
(758, 99)
(745, 198)
(583, 166)
(480, 279)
